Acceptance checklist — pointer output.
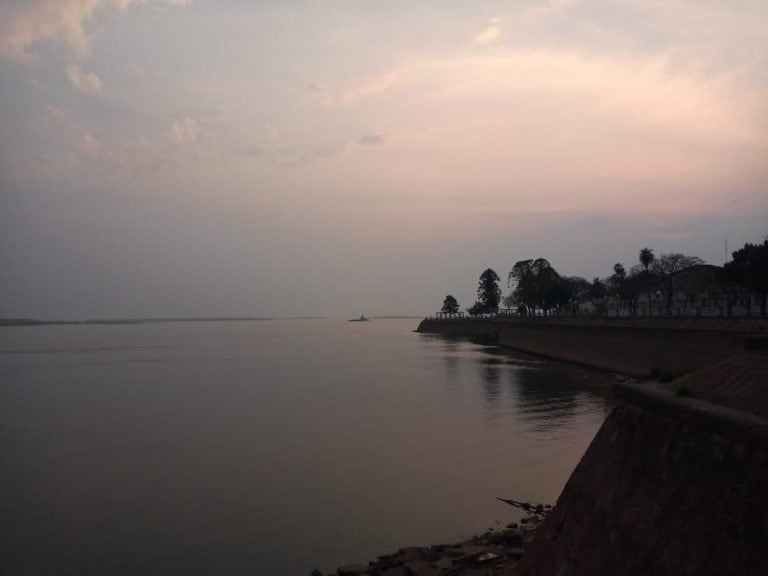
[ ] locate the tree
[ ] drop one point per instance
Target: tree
(618, 279)
(538, 285)
(450, 305)
(638, 282)
(524, 293)
(646, 257)
(749, 268)
(598, 289)
(475, 309)
(488, 294)
(578, 288)
(667, 270)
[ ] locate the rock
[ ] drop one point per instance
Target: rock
(416, 554)
(351, 570)
(386, 558)
(487, 557)
(511, 536)
(399, 571)
(411, 550)
(471, 551)
(420, 569)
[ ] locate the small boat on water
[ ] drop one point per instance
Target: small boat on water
(361, 319)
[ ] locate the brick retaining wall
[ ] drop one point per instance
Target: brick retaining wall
(669, 486)
(620, 345)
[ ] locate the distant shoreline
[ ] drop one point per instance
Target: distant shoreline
(35, 322)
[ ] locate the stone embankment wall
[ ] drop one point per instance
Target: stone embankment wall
(669, 486)
(621, 345)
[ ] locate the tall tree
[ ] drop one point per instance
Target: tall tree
(450, 305)
(488, 293)
(524, 293)
(749, 268)
(538, 285)
(618, 279)
(646, 257)
(667, 270)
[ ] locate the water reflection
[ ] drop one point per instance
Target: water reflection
(491, 373)
(548, 397)
(451, 363)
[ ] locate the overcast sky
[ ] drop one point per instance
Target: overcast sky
(200, 157)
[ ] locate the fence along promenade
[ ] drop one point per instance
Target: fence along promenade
(710, 312)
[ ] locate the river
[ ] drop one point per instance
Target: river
(269, 447)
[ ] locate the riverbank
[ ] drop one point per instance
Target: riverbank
(673, 483)
(636, 347)
(670, 485)
(493, 553)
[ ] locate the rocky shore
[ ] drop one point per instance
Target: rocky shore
(493, 553)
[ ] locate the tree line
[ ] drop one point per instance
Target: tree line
(537, 288)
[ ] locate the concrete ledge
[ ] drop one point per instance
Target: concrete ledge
(626, 346)
(754, 325)
(731, 424)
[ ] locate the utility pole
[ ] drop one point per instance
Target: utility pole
(725, 241)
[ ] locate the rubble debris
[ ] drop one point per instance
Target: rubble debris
(482, 555)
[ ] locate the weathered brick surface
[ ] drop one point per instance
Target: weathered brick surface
(658, 495)
(621, 345)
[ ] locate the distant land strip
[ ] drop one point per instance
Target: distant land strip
(34, 322)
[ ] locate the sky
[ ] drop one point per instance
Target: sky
(165, 158)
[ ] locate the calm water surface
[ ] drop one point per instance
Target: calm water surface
(270, 448)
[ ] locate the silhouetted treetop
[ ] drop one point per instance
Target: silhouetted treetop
(488, 292)
(538, 285)
(450, 305)
(666, 270)
(646, 257)
(749, 268)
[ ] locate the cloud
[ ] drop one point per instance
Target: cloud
(184, 132)
(319, 94)
(85, 82)
(375, 86)
(26, 24)
(371, 140)
(500, 121)
(490, 34)
(560, 3)
(135, 69)
(90, 145)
